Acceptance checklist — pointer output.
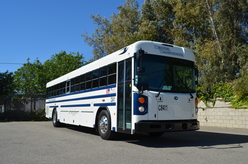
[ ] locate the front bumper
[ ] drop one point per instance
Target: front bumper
(165, 126)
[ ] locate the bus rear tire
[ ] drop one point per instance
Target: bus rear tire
(104, 125)
(55, 121)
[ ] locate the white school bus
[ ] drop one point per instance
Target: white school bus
(144, 87)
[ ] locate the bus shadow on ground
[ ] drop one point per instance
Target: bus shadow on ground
(82, 129)
(201, 139)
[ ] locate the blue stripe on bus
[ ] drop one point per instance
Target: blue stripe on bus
(84, 98)
(53, 106)
(89, 90)
(105, 104)
(77, 105)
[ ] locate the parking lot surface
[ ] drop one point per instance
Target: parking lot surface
(40, 143)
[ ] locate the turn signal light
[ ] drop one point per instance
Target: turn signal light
(142, 100)
(196, 102)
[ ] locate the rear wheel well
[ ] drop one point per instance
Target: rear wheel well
(55, 120)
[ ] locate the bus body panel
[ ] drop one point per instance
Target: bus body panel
(171, 105)
(81, 108)
(169, 110)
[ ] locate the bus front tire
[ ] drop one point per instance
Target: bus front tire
(104, 125)
(55, 121)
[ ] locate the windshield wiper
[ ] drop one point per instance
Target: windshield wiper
(160, 85)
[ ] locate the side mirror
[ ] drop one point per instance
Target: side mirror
(196, 75)
(140, 55)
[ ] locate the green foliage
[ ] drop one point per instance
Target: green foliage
(6, 84)
(37, 115)
(156, 21)
(236, 93)
(61, 64)
(114, 33)
(205, 97)
(241, 87)
(30, 80)
(216, 30)
(221, 90)
(241, 92)
(224, 91)
(241, 103)
(20, 115)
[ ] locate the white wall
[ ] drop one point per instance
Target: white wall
(222, 115)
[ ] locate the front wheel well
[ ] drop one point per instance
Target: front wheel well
(98, 112)
(103, 124)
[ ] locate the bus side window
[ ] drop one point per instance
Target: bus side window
(68, 86)
(88, 80)
(52, 91)
(77, 85)
(62, 88)
(82, 82)
(112, 73)
(103, 76)
(73, 85)
(56, 90)
(95, 75)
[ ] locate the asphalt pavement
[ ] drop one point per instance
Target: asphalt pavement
(40, 143)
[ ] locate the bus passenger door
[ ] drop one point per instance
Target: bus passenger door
(124, 96)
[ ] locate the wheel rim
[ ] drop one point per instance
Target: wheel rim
(103, 124)
(54, 117)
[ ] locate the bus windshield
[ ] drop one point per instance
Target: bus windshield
(166, 74)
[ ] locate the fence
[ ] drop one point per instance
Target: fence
(21, 109)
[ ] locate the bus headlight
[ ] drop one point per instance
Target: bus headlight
(141, 109)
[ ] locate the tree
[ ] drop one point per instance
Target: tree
(62, 63)
(114, 33)
(30, 80)
(157, 21)
(6, 84)
(240, 84)
(153, 22)
(216, 30)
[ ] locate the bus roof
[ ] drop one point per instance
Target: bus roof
(150, 47)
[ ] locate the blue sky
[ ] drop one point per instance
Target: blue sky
(40, 28)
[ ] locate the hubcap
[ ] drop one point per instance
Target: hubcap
(103, 124)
